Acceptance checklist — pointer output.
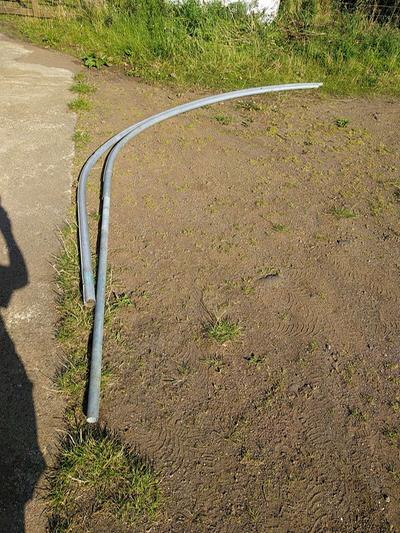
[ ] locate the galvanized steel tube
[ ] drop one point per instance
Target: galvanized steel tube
(118, 142)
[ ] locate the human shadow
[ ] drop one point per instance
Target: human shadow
(21, 461)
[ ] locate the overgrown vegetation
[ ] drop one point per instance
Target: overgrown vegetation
(216, 46)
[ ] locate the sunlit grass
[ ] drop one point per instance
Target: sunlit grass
(97, 474)
(216, 46)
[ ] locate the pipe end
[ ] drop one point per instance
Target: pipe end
(89, 303)
(91, 419)
(89, 295)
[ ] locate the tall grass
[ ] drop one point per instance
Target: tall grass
(222, 47)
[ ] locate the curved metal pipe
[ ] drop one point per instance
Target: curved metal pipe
(119, 142)
(84, 239)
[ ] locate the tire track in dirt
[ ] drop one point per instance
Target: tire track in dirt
(319, 448)
(290, 315)
(330, 464)
(382, 301)
(163, 445)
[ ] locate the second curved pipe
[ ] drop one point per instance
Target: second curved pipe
(88, 287)
(119, 142)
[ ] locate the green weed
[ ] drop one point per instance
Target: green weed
(391, 469)
(184, 368)
(182, 372)
(342, 122)
(392, 434)
(81, 137)
(222, 330)
(247, 286)
(79, 104)
(253, 359)
(268, 271)
(348, 372)
(312, 346)
(94, 60)
(118, 301)
(269, 395)
(343, 212)
(395, 405)
(356, 414)
(377, 205)
(223, 119)
(280, 228)
(216, 363)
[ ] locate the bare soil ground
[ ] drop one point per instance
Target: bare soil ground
(294, 426)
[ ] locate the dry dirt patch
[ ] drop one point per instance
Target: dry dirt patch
(280, 215)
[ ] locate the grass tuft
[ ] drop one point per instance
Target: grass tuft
(222, 330)
(97, 474)
(248, 105)
(225, 120)
(280, 228)
(215, 363)
(342, 122)
(80, 138)
(343, 212)
(79, 104)
(75, 322)
(80, 86)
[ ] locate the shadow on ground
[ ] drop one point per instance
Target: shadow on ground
(21, 462)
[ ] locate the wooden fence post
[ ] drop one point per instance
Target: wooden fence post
(35, 8)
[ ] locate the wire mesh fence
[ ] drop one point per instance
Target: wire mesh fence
(29, 8)
(386, 11)
(380, 10)
(38, 8)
